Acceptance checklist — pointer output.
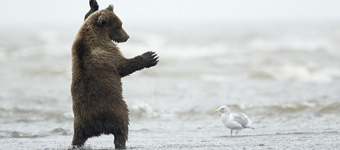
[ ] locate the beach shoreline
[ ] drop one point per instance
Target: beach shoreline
(194, 139)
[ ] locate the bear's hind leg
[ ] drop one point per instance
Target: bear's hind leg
(78, 140)
(119, 141)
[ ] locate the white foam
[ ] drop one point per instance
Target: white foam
(295, 72)
(143, 109)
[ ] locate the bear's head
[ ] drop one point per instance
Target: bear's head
(108, 24)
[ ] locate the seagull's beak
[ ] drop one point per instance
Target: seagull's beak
(216, 110)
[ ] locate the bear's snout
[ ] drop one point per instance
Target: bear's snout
(119, 36)
(125, 38)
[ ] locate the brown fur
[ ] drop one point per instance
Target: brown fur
(97, 68)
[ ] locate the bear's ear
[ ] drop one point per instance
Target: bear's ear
(102, 21)
(110, 8)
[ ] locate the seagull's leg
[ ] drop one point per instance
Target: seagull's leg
(231, 133)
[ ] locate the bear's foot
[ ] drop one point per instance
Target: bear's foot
(120, 146)
(80, 147)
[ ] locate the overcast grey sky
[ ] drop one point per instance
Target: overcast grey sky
(53, 13)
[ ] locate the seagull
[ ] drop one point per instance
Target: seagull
(234, 121)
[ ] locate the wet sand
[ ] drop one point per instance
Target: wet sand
(196, 139)
(183, 135)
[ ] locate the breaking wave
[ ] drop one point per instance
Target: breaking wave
(296, 72)
(16, 134)
(311, 107)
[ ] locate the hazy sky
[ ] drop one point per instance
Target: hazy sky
(47, 13)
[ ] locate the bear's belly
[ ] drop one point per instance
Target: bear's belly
(96, 97)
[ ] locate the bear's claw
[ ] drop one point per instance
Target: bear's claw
(151, 59)
(94, 7)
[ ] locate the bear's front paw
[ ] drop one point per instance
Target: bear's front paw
(94, 4)
(150, 59)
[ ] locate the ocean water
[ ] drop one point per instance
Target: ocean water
(286, 78)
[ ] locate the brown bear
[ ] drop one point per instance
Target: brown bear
(97, 69)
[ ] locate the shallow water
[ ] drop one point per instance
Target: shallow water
(285, 78)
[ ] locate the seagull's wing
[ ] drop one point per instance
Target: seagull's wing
(242, 119)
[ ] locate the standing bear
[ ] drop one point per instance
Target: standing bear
(97, 69)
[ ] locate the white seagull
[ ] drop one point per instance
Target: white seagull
(234, 121)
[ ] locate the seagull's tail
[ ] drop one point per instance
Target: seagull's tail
(251, 127)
